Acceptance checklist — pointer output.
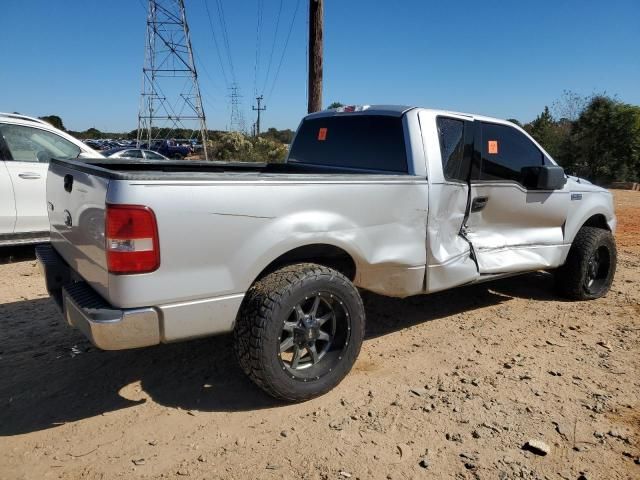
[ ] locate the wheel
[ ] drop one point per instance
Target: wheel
(299, 331)
(590, 266)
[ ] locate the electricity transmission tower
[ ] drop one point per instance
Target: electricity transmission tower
(237, 118)
(170, 98)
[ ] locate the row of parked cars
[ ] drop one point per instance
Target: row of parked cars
(175, 149)
(27, 144)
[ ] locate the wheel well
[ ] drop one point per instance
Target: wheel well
(322, 254)
(597, 221)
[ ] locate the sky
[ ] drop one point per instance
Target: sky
(82, 59)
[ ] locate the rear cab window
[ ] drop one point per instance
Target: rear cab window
(361, 142)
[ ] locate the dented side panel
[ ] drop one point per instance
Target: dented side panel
(518, 229)
(216, 237)
(449, 260)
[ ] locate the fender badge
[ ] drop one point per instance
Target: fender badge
(576, 196)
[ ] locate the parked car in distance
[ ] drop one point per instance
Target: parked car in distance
(27, 144)
(171, 149)
(140, 153)
(396, 200)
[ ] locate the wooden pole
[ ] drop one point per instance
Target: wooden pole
(316, 14)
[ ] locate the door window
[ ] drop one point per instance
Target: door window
(153, 155)
(505, 151)
(27, 144)
(455, 163)
(132, 154)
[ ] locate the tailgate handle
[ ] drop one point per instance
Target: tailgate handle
(68, 183)
(479, 203)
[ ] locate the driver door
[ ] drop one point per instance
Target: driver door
(30, 150)
(512, 228)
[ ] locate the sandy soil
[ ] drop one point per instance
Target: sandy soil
(447, 386)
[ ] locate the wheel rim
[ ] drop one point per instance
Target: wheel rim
(598, 268)
(314, 336)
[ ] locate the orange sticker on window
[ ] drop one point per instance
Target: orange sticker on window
(322, 134)
(492, 146)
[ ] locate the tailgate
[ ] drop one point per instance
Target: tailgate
(76, 204)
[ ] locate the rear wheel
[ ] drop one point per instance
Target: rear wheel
(590, 266)
(299, 331)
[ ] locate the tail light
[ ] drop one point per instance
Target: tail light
(131, 239)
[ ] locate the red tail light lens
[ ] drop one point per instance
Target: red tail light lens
(131, 239)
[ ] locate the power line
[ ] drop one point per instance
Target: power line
(225, 36)
(215, 41)
(284, 50)
(256, 65)
(273, 47)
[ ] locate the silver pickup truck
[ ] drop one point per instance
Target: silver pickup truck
(397, 200)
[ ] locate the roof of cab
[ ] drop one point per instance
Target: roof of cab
(398, 111)
(390, 110)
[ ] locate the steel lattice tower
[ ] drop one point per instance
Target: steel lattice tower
(237, 118)
(170, 97)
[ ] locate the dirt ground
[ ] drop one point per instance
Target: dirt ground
(447, 386)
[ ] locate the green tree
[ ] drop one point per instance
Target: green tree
(54, 120)
(92, 133)
(336, 105)
(604, 144)
(548, 133)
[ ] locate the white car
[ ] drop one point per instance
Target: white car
(26, 146)
(135, 153)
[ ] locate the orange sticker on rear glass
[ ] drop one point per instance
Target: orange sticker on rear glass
(322, 134)
(492, 146)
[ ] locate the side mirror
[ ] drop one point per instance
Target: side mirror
(544, 177)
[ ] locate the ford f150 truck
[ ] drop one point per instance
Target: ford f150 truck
(397, 200)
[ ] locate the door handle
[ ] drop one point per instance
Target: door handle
(479, 203)
(29, 175)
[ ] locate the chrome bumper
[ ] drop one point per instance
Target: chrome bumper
(107, 327)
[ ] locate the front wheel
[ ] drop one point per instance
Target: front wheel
(591, 264)
(299, 331)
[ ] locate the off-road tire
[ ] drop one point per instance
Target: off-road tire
(267, 305)
(572, 278)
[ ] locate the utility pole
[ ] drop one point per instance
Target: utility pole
(316, 14)
(259, 109)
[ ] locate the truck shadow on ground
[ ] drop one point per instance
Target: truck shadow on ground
(50, 375)
(17, 254)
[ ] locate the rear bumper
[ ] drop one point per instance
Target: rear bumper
(107, 327)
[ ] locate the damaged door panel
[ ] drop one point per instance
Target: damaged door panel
(513, 228)
(449, 253)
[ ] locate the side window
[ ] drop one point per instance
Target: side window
(505, 151)
(132, 154)
(451, 133)
(28, 144)
(153, 155)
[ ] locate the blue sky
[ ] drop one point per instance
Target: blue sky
(82, 59)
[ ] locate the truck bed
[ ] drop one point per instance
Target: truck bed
(145, 170)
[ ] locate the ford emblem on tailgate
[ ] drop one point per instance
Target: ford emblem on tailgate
(67, 218)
